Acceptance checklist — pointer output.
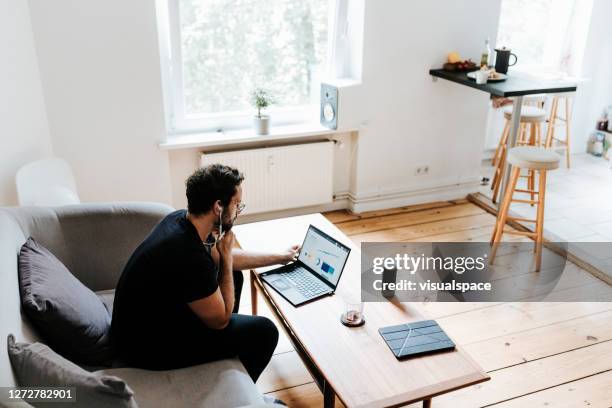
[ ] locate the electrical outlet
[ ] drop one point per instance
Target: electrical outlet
(422, 170)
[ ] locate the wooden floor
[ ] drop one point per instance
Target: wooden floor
(537, 354)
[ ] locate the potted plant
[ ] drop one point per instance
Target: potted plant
(261, 99)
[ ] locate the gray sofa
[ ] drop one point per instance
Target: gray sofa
(94, 241)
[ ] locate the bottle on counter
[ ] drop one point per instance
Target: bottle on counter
(486, 52)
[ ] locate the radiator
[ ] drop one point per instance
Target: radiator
(279, 178)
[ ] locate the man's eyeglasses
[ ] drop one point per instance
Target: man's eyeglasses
(240, 207)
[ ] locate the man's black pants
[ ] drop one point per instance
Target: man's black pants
(252, 338)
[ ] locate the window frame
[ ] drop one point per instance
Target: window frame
(177, 121)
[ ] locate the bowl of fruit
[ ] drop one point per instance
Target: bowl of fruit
(454, 62)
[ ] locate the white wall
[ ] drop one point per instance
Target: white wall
(99, 62)
(412, 120)
(595, 93)
(24, 135)
(100, 69)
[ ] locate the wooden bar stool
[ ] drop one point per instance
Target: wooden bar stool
(533, 158)
(530, 116)
(556, 120)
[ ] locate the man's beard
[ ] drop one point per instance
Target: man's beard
(228, 223)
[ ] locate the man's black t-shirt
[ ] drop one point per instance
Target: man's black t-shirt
(171, 268)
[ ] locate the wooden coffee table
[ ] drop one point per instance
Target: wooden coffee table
(352, 363)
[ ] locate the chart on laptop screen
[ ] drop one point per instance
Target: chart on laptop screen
(323, 255)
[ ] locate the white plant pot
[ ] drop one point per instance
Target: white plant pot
(261, 124)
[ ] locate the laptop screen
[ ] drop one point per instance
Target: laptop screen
(324, 255)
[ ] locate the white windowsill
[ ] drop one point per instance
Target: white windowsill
(244, 136)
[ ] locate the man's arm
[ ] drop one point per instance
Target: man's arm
(244, 260)
(216, 310)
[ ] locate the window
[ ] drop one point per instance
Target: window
(548, 36)
(220, 50)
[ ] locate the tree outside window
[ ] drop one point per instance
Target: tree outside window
(230, 47)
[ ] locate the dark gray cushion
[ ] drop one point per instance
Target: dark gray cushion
(69, 316)
(36, 365)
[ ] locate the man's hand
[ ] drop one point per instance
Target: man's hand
(290, 254)
(225, 245)
(216, 310)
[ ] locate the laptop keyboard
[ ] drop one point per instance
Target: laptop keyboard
(306, 284)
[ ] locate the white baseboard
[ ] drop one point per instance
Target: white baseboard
(487, 154)
(413, 197)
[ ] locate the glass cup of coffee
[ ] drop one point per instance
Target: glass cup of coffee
(353, 313)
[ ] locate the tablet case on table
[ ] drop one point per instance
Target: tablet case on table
(415, 339)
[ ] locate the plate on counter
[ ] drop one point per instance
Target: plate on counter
(499, 77)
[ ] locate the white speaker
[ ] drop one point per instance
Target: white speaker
(340, 108)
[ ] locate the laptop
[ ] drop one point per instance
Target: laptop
(316, 271)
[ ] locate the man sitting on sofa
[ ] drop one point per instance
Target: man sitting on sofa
(176, 302)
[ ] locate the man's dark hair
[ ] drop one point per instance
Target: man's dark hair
(209, 184)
